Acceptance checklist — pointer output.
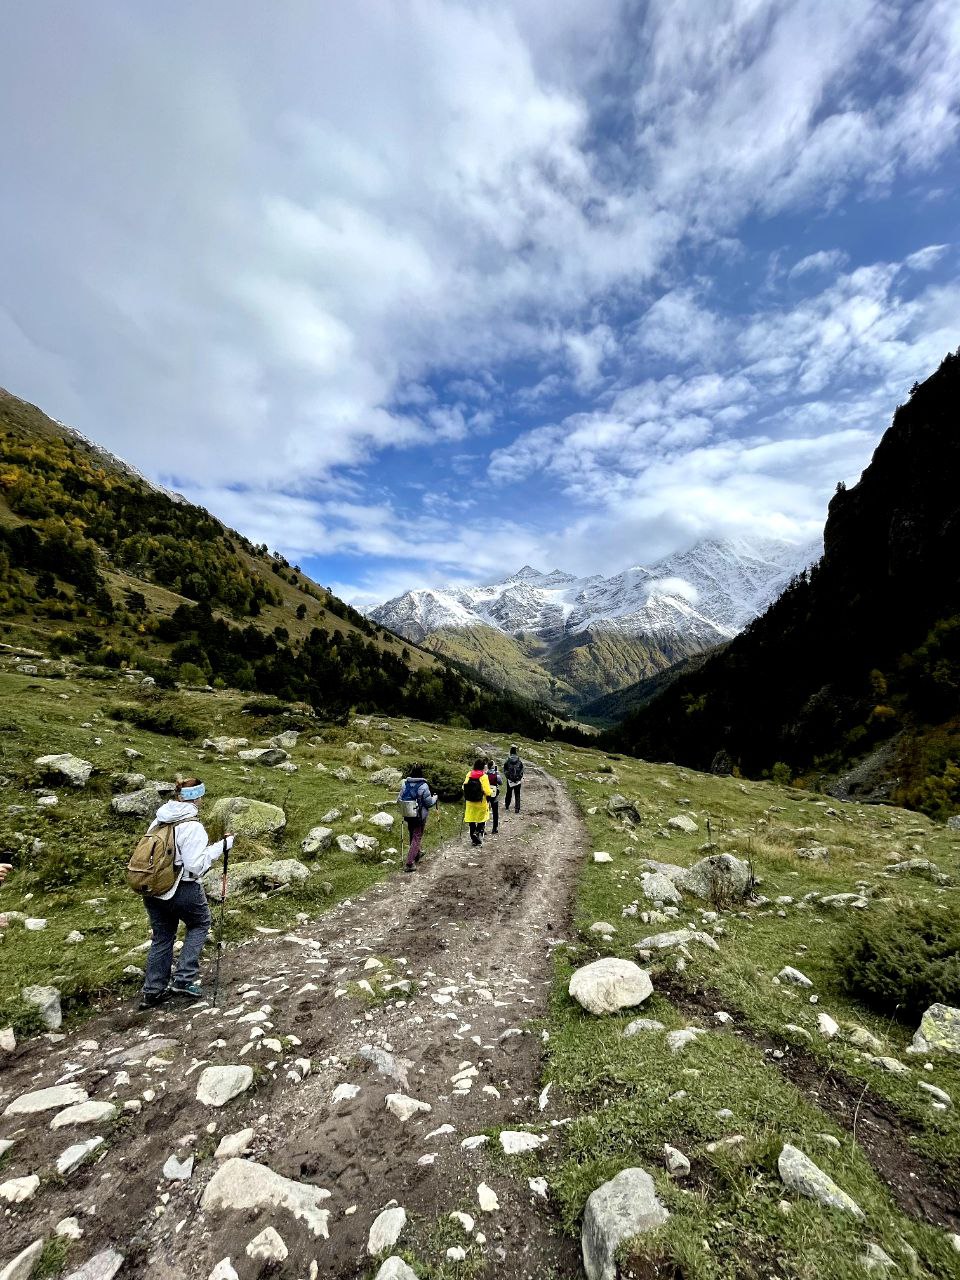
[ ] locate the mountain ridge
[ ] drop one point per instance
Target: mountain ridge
(595, 634)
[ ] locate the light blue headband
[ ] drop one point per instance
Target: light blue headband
(193, 793)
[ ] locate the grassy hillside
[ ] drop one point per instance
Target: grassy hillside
(729, 1099)
(567, 674)
(97, 564)
(611, 708)
(505, 662)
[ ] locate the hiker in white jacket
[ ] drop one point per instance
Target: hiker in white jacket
(186, 902)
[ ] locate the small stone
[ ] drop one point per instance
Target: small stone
(233, 1145)
(640, 1025)
(514, 1142)
(828, 1027)
(794, 976)
(610, 984)
(47, 1000)
(267, 1247)
(486, 1198)
(175, 1170)
(385, 1230)
(75, 1156)
(677, 1164)
(69, 1228)
(396, 1269)
(404, 1107)
(224, 1270)
(800, 1174)
(217, 1085)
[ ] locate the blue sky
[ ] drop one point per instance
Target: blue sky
(421, 292)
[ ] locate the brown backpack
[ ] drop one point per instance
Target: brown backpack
(152, 870)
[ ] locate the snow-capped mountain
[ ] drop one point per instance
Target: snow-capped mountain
(704, 595)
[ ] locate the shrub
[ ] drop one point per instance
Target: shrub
(780, 774)
(446, 780)
(168, 720)
(899, 961)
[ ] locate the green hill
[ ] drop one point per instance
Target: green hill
(98, 565)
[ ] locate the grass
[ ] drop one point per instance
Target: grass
(733, 1216)
(70, 859)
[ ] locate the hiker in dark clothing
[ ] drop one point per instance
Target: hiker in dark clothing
(416, 800)
(513, 770)
(496, 782)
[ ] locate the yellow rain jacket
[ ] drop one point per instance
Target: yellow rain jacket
(477, 811)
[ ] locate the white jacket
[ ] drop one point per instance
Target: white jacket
(195, 855)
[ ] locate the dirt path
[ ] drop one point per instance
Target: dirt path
(473, 936)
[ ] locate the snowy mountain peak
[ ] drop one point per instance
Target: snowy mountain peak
(707, 594)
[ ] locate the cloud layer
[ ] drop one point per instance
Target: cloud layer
(464, 285)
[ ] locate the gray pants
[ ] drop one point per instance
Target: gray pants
(189, 906)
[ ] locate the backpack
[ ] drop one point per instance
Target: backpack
(409, 801)
(513, 768)
(473, 791)
(495, 782)
(152, 870)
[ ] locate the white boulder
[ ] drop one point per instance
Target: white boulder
(620, 1209)
(610, 984)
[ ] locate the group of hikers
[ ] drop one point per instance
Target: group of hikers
(173, 856)
(481, 800)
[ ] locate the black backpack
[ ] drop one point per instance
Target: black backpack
(473, 790)
(513, 768)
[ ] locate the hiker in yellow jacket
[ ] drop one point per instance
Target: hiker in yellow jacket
(476, 794)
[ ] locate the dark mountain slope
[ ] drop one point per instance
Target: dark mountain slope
(863, 646)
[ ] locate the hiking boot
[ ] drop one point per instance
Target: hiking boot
(409, 868)
(191, 990)
(150, 999)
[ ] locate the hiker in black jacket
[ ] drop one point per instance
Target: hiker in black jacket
(513, 771)
(496, 782)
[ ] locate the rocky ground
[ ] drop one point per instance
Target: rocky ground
(386, 1057)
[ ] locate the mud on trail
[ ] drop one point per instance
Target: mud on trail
(464, 954)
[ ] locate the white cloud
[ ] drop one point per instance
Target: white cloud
(823, 260)
(927, 258)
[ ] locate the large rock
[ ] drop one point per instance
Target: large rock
(800, 1174)
(244, 1184)
(19, 1190)
(396, 1269)
(225, 745)
(261, 874)
(66, 767)
(21, 1267)
(245, 817)
(217, 1085)
(676, 938)
(346, 844)
(269, 756)
(53, 1099)
(388, 777)
(385, 1230)
(91, 1112)
(720, 877)
(609, 984)
(658, 888)
(625, 810)
(381, 819)
(287, 739)
(75, 1156)
(102, 1266)
(939, 1031)
(620, 1209)
(683, 822)
(137, 804)
(316, 840)
(47, 1000)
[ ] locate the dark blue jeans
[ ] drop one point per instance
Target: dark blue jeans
(513, 793)
(189, 906)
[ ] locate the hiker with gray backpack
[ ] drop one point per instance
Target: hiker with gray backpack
(415, 801)
(167, 870)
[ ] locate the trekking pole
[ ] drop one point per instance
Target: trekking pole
(223, 908)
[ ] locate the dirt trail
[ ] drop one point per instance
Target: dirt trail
(472, 932)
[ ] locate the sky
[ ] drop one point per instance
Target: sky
(420, 291)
